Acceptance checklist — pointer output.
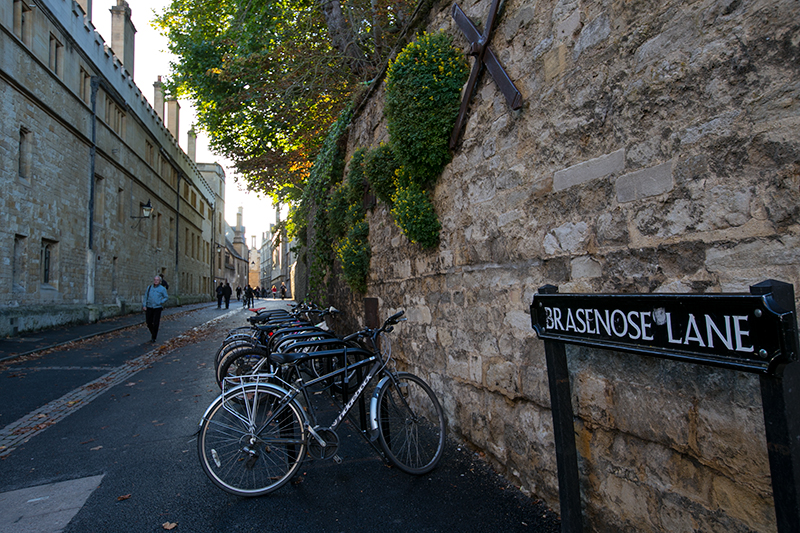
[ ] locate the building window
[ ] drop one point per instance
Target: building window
(86, 86)
(56, 56)
(114, 267)
(194, 199)
(19, 266)
(22, 21)
(158, 230)
(171, 229)
(115, 117)
(99, 199)
(49, 262)
(120, 205)
(24, 164)
(149, 153)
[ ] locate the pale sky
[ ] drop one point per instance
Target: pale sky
(151, 60)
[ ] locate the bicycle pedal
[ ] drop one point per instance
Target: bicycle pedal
(337, 459)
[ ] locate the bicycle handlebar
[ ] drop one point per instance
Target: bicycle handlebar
(387, 326)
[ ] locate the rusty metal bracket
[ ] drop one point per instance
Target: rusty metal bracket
(479, 47)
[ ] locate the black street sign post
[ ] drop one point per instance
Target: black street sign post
(754, 333)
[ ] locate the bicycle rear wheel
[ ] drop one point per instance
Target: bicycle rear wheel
(240, 456)
(411, 424)
(239, 362)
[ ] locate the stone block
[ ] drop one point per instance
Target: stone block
(585, 267)
(645, 183)
(592, 34)
(565, 29)
(555, 62)
(599, 167)
(501, 376)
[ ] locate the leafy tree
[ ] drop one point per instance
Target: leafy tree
(268, 78)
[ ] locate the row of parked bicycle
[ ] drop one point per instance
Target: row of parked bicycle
(254, 437)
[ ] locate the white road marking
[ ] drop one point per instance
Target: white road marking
(46, 508)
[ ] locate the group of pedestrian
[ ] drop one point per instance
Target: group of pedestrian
(263, 292)
(155, 296)
(224, 292)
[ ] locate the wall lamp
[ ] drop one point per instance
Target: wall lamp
(146, 210)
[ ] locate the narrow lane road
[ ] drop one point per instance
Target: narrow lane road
(124, 458)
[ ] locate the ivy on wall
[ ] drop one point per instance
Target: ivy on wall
(423, 89)
(423, 94)
(312, 210)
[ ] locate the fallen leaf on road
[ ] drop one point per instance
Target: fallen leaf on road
(169, 525)
(73, 402)
(125, 497)
(95, 448)
(130, 384)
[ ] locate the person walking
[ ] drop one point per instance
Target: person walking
(226, 293)
(220, 293)
(274, 292)
(283, 290)
(248, 296)
(153, 302)
(238, 292)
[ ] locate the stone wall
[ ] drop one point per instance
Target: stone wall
(657, 151)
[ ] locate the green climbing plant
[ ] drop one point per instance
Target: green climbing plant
(423, 92)
(423, 95)
(380, 166)
(414, 213)
(423, 88)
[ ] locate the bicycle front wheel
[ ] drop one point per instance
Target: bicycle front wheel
(249, 446)
(411, 424)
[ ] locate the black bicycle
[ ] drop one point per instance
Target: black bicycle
(254, 437)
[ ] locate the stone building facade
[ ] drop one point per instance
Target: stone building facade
(84, 152)
(657, 151)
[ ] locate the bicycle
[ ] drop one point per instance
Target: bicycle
(255, 436)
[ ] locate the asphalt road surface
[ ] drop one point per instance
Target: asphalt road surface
(99, 436)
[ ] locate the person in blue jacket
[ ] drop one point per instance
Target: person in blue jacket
(153, 302)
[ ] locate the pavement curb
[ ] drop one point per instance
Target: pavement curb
(89, 336)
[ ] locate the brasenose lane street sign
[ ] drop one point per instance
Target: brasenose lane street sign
(740, 331)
